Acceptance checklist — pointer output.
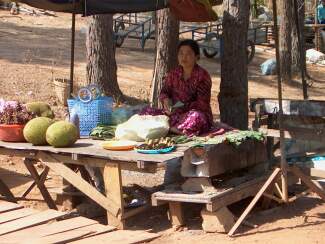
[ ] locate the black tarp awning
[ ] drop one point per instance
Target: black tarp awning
(90, 7)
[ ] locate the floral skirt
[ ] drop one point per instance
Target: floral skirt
(191, 123)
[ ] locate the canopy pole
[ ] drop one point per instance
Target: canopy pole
(284, 166)
(73, 32)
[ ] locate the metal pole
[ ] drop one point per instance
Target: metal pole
(284, 166)
(315, 28)
(301, 50)
(73, 31)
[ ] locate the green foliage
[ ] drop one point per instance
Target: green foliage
(103, 132)
(236, 138)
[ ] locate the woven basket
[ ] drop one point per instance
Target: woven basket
(91, 114)
(62, 89)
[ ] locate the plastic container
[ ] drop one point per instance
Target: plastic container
(91, 114)
(12, 133)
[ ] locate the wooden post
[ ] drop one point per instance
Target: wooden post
(73, 33)
(113, 187)
(284, 176)
(176, 214)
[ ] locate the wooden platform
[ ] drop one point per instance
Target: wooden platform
(213, 200)
(24, 225)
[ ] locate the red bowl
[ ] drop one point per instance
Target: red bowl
(12, 133)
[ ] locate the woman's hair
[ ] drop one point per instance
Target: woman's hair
(192, 44)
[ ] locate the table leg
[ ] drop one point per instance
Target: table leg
(77, 181)
(4, 190)
(43, 176)
(29, 163)
(113, 187)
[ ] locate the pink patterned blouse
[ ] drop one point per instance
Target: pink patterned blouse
(195, 93)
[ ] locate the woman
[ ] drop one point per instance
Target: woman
(186, 93)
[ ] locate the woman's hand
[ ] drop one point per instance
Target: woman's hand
(167, 106)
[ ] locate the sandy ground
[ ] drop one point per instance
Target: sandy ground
(35, 50)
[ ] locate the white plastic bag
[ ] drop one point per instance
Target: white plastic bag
(314, 56)
(142, 127)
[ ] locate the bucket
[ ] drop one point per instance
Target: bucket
(12, 133)
(62, 90)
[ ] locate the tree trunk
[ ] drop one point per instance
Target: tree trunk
(101, 63)
(167, 29)
(233, 96)
(295, 54)
(286, 23)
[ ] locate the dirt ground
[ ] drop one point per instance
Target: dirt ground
(35, 50)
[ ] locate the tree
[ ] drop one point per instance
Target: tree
(101, 63)
(233, 96)
(286, 22)
(295, 54)
(167, 29)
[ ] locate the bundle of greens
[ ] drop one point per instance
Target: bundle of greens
(103, 132)
(236, 138)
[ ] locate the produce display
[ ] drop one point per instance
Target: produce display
(119, 145)
(157, 144)
(40, 109)
(103, 132)
(35, 130)
(236, 138)
(14, 113)
(62, 134)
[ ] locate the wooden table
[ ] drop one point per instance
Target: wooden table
(89, 152)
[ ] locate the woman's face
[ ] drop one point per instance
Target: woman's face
(186, 57)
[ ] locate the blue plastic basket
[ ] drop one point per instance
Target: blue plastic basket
(91, 114)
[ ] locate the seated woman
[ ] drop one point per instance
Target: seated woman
(186, 93)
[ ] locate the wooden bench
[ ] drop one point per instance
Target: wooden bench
(215, 202)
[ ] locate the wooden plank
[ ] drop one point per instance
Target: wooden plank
(100, 162)
(291, 107)
(29, 163)
(32, 220)
(303, 134)
(8, 206)
(211, 197)
(50, 229)
(120, 236)
(63, 237)
(16, 214)
(234, 196)
(79, 183)
(93, 148)
(113, 187)
(254, 201)
(176, 214)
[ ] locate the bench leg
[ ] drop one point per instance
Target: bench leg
(176, 214)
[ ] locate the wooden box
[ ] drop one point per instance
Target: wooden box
(213, 160)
